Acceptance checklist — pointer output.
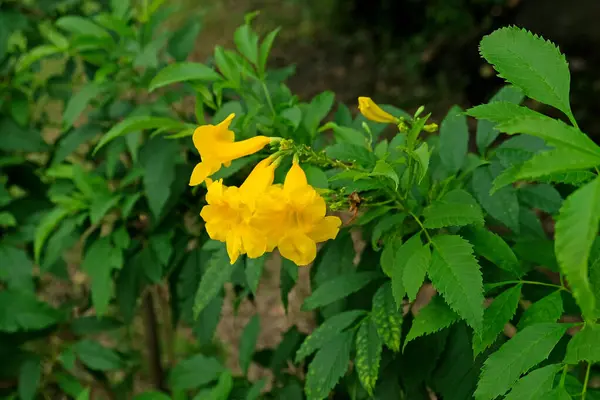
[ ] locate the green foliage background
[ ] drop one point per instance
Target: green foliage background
(105, 265)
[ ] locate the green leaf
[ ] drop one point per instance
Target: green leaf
(486, 132)
(495, 317)
(138, 123)
(253, 270)
(575, 178)
(183, 72)
(456, 208)
(386, 316)
(102, 205)
(557, 161)
(501, 111)
(422, 156)
(195, 372)
(21, 311)
(99, 261)
(547, 309)
(265, 48)
(554, 132)
(79, 102)
(255, 390)
(158, 157)
(455, 273)
(493, 248)
(218, 272)
(351, 153)
(247, 43)
(338, 288)
(81, 26)
(560, 393)
(30, 374)
(318, 109)
(36, 54)
(542, 196)
(434, 317)
(16, 269)
(368, 354)
(535, 385)
(531, 63)
(45, 228)
(524, 351)
(503, 205)
(454, 138)
(326, 331)
(584, 346)
(330, 363)
(183, 40)
(221, 391)
(248, 342)
(398, 263)
(415, 271)
(344, 134)
(575, 230)
(152, 395)
(97, 357)
(316, 177)
(384, 169)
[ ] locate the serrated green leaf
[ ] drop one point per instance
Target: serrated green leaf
(524, 351)
(97, 357)
(330, 363)
(531, 63)
(454, 139)
(326, 331)
(247, 42)
(351, 153)
(21, 311)
(415, 271)
(399, 265)
(456, 275)
(81, 26)
(559, 393)
(495, 317)
(253, 271)
(183, 72)
(500, 111)
(422, 156)
(158, 158)
(368, 354)
(265, 49)
(557, 161)
(554, 132)
(338, 288)
(456, 208)
(535, 385)
(434, 317)
(547, 309)
(542, 196)
(386, 316)
(183, 40)
(584, 346)
(486, 132)
(575, 178)
(493, 248)
(503, 205)
(218, 272)
(575, 230)
(248, 342)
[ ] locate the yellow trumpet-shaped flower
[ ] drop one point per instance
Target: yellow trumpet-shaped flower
(230, 213)
(217, 146)
(293, 218)
(373, 112)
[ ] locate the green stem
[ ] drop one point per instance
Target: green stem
(586, 380)
(572, 119)
(564, 376)
(535, 283)
(422, 227)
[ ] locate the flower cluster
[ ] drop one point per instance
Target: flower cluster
(259, 216)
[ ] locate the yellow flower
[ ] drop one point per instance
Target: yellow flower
(217, 147)
(230, 213)
(293, 218)
(372, 111)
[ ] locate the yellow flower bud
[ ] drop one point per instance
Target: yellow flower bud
(373, 112)
(433, 127)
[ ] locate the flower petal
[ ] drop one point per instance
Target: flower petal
(258, 181)
(254, 242)
(202, 171)
(326, 229)
(373, 112)
(295, 179)
(299, 248)
(234, 246)
(226, 151)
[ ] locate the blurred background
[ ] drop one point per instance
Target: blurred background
(410, 52)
